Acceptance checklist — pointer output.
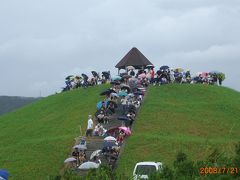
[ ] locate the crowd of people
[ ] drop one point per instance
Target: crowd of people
(73, 82)
(120, 103)
(151, 75)
(166, 75)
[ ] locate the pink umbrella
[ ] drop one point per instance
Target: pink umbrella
(143, 75)
(126, 130)
(204, 74)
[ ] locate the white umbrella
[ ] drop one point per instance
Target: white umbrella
(114, 94)
(130, 68)
(82, 147)
(110, 138)
(95, 153)
(71, 159)
(88, 165)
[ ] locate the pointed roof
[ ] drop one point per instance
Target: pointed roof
(133, 58)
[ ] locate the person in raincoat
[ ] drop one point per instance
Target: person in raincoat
(89, 126)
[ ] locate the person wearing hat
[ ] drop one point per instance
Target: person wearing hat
(89, 126)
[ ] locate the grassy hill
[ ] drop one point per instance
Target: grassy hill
(194, 119)
(10, 103)
(36, 139)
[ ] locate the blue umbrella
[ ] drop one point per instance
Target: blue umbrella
(99, 104)
(4, 174)
(122, 93)
(116, 78)
(123, 118)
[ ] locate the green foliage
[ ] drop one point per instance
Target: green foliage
(103, 173)
(221, 76)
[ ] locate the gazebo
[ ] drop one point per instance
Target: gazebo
(133, 58)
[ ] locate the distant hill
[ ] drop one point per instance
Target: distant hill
(11, 103)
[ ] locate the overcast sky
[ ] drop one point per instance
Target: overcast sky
(41, 42)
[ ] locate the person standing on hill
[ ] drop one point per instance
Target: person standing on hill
(89, 126)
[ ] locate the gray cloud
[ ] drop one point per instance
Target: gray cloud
(42, 42)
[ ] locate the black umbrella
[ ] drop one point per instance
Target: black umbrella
(106, 74)
(164, 67)
(69, 77)
(94, 73)
(84, 76)
(107, 92)
(126, 88)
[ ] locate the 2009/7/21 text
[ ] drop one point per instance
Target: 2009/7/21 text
(218, 170)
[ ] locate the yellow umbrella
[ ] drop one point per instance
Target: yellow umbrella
(179, 70)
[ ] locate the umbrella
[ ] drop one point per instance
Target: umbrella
(110, 138)
(123, 118)
(164, 67)
(84, 76)
(99, 104)
(95, 153)
(82, 147)
(116, 78)
(94, 73)
(150, 66)
(4, 174)
(126, 88)
(143, 75)
(71, 159)
(107, 92)
(122, 93)
(88, 165)
(204, 74)
(130, 95)
(112, 130)
(109, 144)
(114, 95)
(198, 73)
(126, 130)
(179, 70)
(130, 68)
(69, 77)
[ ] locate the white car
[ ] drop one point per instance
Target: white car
(143, 169)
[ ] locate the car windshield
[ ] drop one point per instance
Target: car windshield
(145, 169)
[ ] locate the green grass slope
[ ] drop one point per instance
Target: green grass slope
(36, 139)
(194, 119)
